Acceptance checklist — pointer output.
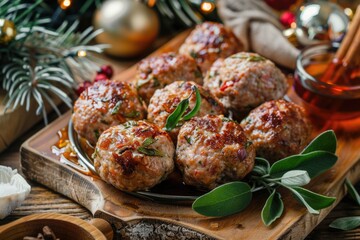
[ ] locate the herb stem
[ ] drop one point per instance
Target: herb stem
(267, 186)
(256, 189)
(264, 184)
(284, 185)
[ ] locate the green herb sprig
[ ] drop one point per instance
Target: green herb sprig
(346, 223)
(249, 58)
(145, 149)
(291, 173)
(178, 114)
(42, 62)
(352, 222)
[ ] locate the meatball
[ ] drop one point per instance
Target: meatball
(105, 104)
(134, 156)
(277, 129)
(157, 72)
(165, 101)
(212, 150)
(208, 42)
(245, 80)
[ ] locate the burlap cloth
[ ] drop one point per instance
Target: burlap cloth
(258, 28)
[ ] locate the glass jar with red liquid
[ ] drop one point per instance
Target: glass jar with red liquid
(335, 96)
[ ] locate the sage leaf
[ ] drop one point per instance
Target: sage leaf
(148, 141)
(272, 209)
(261, 166)
(314, 163)
(249, 58)
(178, 113)
(175, 116)
(256, 58)
(325, 141)
(132, 114)
(224, 200)
(115, 110)
(188, 139)
(193, 54)
(142, 82)
(346, 223)
(312, 201)
(144, 148)
(150, 151)
(130, 124)
(295, 178)
(352, 191)
(259, 170)
(196, 108)
(97, 133)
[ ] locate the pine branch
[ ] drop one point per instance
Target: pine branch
(41, 63)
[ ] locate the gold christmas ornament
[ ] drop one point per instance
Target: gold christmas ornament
(7, 31)
(129, 27)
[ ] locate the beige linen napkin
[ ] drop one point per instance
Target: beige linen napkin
(258, 28)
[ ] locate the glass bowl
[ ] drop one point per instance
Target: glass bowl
(335, 98)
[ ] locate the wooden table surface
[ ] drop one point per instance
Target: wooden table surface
(43, 200)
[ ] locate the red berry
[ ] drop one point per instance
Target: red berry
(287, 18)
(107, 70)
(82, 87)
(100, 77)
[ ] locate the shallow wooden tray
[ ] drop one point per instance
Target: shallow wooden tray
(151, 219)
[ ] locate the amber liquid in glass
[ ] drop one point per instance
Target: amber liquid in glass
(328, 105)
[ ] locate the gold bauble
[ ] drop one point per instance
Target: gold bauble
(7, 31)
(129, 27)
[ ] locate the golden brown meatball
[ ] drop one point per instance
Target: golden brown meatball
(134, 156)
(212, 150)
(277, 129)
(105, 104)
(243, 81)
(165, 101)
(157, 72)
(208, 42)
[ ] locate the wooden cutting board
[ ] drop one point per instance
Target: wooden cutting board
(152, 219)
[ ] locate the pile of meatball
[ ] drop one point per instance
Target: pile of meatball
(242, 115)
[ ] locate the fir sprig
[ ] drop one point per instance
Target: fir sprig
(290, 173)
(41, 63)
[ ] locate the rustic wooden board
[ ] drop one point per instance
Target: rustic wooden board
(125, 211)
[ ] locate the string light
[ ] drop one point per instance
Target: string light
(151, 3)
(64, 4)
(81, 53)
(207, 7)
(349, 13)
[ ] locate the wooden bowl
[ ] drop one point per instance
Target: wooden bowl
(64, 226)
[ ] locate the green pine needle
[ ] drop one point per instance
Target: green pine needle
(41, 63)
